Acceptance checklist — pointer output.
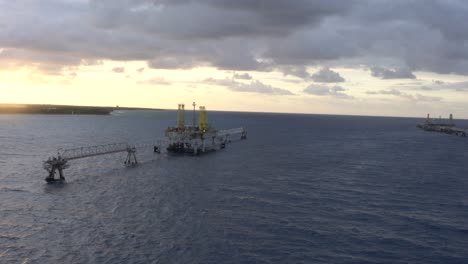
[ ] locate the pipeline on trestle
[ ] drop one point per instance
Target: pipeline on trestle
(180, 139)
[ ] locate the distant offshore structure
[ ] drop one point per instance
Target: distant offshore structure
(181, 139)
(447, 127)
(198, 139)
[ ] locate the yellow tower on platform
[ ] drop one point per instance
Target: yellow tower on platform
(181, 116)
(203, 119)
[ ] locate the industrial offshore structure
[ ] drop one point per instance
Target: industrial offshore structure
(179, 139)
(447, 127)
(198, 139)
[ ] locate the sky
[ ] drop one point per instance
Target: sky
(357, 57)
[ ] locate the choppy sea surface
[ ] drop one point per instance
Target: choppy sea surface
(300, 189)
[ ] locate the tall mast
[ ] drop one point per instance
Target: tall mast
(193, 117)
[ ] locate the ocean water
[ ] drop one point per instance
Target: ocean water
(300, 189)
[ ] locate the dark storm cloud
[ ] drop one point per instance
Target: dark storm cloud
(227, 18)
(423, 35)
(168, 34)
(326, 75)
(244, 35)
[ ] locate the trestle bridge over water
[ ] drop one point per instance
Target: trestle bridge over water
(55, 165)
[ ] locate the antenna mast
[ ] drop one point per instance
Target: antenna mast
(193, 117)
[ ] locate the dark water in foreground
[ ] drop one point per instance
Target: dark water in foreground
(301, 189)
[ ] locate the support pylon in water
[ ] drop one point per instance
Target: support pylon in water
(243, 134)
(131, 159)
(54, 165)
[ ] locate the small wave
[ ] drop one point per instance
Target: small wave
(9, 154)
(6, 189)
(9, 237)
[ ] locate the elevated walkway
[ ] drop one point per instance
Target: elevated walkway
(55, 165)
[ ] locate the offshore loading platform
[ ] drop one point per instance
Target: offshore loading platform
(198, 139)
(442, 127)
(180, 139)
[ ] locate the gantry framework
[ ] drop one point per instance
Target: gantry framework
(60, 162)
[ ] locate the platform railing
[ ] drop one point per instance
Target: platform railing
(232, 131)
(90, 151)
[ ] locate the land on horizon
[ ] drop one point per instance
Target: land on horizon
(15, 108)
(63, 109)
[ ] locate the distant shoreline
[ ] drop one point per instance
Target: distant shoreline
(63, 109)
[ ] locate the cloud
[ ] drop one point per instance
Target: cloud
(243, 76)
(220, 82)
(399, 73)
(259, 87)
(448, 86)
(72, 75)
(155, 81)
(424, 98)
(215, 19)
(390, 91)
(252, 87)
(256, 35)
(311, 46)
(298, 71)
(411, 97)
(118, 69)
(436, 85)
(324, 90)
(325, 75)
(176, 62)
